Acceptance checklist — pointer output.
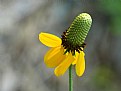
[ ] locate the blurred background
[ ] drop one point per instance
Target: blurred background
(21, 53)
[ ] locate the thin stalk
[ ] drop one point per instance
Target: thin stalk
(70, 79)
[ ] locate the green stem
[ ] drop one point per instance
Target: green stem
(70, 79)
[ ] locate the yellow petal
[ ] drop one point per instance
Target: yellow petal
(49, 39)
(76, 57)
(54, 56)
(61, 69)
(80, 65)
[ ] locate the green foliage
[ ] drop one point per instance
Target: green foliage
(103, 77)
(113, 9)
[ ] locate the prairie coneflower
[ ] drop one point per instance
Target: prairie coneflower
(67, 50)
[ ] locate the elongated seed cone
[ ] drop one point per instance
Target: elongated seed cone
(78, 30)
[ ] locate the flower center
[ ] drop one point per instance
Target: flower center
(73, 38)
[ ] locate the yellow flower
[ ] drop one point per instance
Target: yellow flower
(58, 59)
(69, 49)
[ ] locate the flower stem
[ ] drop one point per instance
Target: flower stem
(70, 79)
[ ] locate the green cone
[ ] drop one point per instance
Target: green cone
(78, 30)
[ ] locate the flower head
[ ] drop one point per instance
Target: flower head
(68, 49)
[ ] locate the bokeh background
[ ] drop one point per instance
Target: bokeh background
(21, 54)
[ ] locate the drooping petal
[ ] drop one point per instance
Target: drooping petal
(54, 56)
(76, 57)
(49, 40)
(80, 65)
(61, 69)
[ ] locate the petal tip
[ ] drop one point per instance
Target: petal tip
(57, 73)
